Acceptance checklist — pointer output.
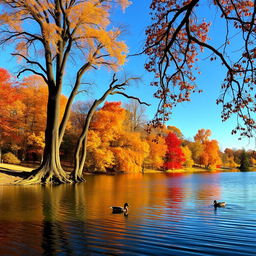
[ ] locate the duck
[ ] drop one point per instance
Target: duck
(119, 209)
(219, 204)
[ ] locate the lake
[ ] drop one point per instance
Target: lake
(170, 214)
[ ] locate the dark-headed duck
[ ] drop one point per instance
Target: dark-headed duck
(119, 209)
(219, 204)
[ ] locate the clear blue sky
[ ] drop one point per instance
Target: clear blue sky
(201, 112)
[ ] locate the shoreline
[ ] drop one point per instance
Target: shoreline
(194, 170)
(9, 173)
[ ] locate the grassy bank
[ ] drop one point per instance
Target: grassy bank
(193, 170)
(9, 173)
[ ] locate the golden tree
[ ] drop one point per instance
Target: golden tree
(45, 34)
(111, 145)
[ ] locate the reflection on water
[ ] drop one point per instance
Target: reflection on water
(169, 215)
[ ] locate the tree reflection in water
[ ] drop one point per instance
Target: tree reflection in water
(64, 218)
(77, 219)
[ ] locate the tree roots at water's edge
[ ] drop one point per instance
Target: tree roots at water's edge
(49, 175)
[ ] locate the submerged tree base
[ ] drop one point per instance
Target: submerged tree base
(77, 178)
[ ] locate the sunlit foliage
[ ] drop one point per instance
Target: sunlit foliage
(45, 36)
(228, 158)
(206, 152)
(111, 146)
(189, 162)
(9, 96)
(158, 148)
(10, 158)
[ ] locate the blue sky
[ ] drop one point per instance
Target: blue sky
(201, 112)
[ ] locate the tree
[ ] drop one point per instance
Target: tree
(197, 150)
(174, 156)
(211, 156)
(252, 156)
(175, 130)
(237, 155)
(229, 158)
(252, 161)
(36, 143)
(244, 162)
(59, 29)
(179, 34)
(130, 151)
(108, 123)
(33, 121)
(209, 153)
(79, 112)
(188, 157)
(110, 145)
(205, 151)
(202, 135)
(157, 151)
(81, 148)
(9, 98)
(137, 118)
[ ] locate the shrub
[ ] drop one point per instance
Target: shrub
(244, 162)
(10, 158)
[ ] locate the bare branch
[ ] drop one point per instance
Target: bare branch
(30, 61)
(130, 97)
(33, 71)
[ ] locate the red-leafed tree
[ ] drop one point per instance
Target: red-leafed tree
(174, 156)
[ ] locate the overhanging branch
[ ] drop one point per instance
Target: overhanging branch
(130, 97)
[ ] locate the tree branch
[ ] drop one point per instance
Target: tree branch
(30, 61)
(130, 97)
(33, 71)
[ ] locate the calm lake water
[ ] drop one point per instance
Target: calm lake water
(169, 215)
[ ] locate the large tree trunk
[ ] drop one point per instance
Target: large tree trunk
(50, 170)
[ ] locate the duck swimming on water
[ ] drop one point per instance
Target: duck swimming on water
(219, 204)
(119, 209)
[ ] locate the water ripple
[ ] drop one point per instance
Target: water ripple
(170, 215)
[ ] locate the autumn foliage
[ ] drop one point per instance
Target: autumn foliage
(174, 157)
(113, 143)
(158, 148)
(206, 152)
(111, 146)
(8, 98)
(61, 30)
(23, 115)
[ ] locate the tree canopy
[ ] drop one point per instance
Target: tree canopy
(178, 37)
